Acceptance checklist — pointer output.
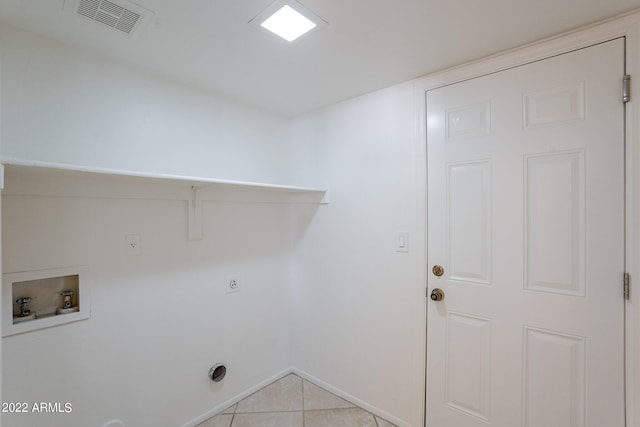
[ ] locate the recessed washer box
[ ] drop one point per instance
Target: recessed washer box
(47, 291)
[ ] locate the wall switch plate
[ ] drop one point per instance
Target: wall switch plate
(402, 241)
(133, 245)
(232, 284)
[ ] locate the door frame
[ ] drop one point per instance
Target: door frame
(627, 26)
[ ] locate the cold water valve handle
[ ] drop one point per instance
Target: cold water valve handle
(24, 306)
(67, 298)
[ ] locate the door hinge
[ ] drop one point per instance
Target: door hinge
(626, 286)
(626, 88)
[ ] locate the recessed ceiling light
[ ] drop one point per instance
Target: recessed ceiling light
(288, 20)
(288, 23)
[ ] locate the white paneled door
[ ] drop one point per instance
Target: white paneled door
(526, 243)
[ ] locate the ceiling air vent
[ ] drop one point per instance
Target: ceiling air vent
(122, 15)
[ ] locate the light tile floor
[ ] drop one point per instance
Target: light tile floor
(294, 402)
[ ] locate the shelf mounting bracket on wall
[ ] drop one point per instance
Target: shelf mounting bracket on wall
(195, 214)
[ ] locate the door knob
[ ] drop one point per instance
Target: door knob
(437, 294)
(438, 270)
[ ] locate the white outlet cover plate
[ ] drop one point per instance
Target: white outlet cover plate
(228, 288)
(133, 245)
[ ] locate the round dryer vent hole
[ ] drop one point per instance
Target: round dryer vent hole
(217, 372)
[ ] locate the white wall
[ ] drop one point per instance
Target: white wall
(158, 321)
(65, 106)
(359, 305)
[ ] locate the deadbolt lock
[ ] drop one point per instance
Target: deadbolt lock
(438, 270)
(437, 294)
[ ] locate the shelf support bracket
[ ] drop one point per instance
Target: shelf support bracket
(195, 214)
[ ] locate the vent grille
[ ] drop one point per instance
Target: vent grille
(110, 14)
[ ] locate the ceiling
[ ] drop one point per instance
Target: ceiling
(368, 44)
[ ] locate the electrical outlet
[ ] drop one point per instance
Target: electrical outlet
(133, 245)
(233, 284)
